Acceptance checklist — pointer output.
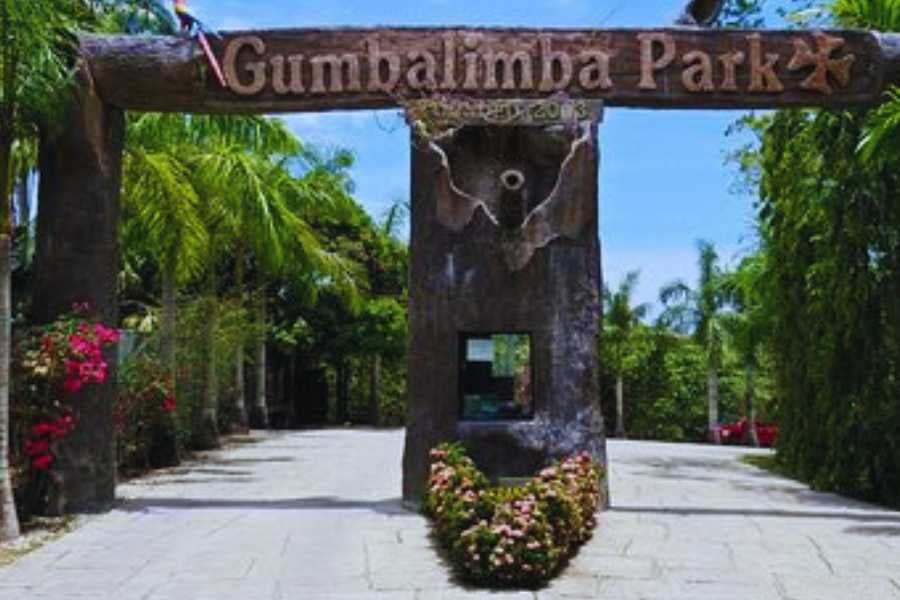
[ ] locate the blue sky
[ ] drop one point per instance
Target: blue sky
(663, 182)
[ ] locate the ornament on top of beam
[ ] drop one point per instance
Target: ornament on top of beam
(702, 13)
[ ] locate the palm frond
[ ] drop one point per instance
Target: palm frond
(157, 189)
(880, 15)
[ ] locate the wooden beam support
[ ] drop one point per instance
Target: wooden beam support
(77, 261)
(303, 70)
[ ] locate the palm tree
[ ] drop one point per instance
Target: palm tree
(165, 223)
(257, 209)
(621, 319)
(881, 142)
(249, 188)
(33, 76)
(133, 16)
(748, 326)
(320, 193)
(699, 312)
(199, 186)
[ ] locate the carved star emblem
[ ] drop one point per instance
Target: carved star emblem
(823, 62)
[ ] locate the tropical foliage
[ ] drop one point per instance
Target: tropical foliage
(825, 282)
(249, 269)
(621, 347)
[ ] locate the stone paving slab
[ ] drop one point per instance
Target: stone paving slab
(317, 516)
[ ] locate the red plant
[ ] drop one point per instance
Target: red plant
(168, 404)
(53, 363)
(737, 433)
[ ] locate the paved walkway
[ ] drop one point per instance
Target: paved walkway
(316, 515)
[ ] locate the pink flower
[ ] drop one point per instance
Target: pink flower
(106, 335)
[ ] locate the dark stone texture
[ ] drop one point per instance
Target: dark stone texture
(77, 260)
(463, 282)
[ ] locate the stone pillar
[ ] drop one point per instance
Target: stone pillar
(77, 260)
(477, 266)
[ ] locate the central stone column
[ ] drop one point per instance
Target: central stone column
(504, 295)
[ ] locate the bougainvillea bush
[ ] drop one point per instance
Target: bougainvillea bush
(51, 365)
(145, 417)
(511, 536)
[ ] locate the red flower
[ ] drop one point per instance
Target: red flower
(168, 404)
(72, 386)
(37, 447)
(41, 429)
(63, 426)
(43, 462)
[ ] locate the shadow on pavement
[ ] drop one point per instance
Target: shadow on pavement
(390, 506)
(751, 512)
(874, 531)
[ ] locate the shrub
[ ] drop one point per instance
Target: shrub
(145, 415)
(511, 536)
(52, 364)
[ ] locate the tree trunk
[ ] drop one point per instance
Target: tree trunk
(23, 212)
(260, 412)
(712, 383)
(206, 432)
(343, 393)
(77, 261)
(240, 387)
(167, 329)
(620, 407)
(290, 393)
(240, 384)
(374, 385)
(751, 405)
(164, 449)
(9, 522)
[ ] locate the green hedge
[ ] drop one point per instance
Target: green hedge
(511, 536)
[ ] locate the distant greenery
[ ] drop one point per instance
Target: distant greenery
(829, 225)
(766, 462)
(250, 274)
(805, 329)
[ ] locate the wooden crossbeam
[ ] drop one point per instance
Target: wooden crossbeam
(301, 70)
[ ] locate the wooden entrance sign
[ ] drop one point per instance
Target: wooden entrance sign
(303, 70)
(328, 69)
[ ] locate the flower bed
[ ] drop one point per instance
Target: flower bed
(511, 536)
(52, 364)
(146, 423)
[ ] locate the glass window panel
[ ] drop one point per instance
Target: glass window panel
(496, 377)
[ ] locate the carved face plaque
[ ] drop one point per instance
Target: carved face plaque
(521, 177)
